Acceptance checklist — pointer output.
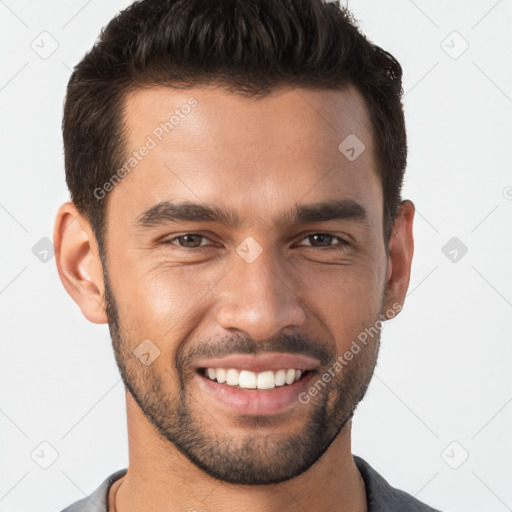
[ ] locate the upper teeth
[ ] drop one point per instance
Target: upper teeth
(251, 380)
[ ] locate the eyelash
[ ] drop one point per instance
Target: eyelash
(342, 245)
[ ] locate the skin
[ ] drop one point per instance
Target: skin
(258, 158)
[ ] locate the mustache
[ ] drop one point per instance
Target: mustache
(283, 343)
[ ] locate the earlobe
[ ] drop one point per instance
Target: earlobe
(401, 250)
(78, 262)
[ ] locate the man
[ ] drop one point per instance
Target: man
(235, 170)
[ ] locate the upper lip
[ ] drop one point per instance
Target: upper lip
(262, 362)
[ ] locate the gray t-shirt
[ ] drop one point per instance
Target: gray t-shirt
(381, 497)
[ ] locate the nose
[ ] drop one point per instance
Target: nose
(259, 298)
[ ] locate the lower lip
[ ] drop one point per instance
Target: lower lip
(252, 401)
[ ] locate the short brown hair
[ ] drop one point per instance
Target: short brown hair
(249, 47)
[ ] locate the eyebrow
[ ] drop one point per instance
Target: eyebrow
(167, 212)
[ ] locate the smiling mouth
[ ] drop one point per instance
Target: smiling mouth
(247, 380)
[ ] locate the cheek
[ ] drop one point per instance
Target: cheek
(164, 301)
(345, 300)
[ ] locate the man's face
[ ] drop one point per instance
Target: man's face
(277, 283)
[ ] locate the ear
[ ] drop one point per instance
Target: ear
(401, 249)
(78, 262)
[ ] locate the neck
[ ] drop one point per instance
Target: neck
(160, 478)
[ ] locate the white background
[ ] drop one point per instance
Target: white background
(445, 365)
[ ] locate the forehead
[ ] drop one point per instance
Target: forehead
(196, 116)
(207, 144)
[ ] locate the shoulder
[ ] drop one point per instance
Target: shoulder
(98, 500)
(382, 497)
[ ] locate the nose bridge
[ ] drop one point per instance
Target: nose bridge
(256, 296)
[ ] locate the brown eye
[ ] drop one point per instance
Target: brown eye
(324, 240)
(187, 241)
(320, 240)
